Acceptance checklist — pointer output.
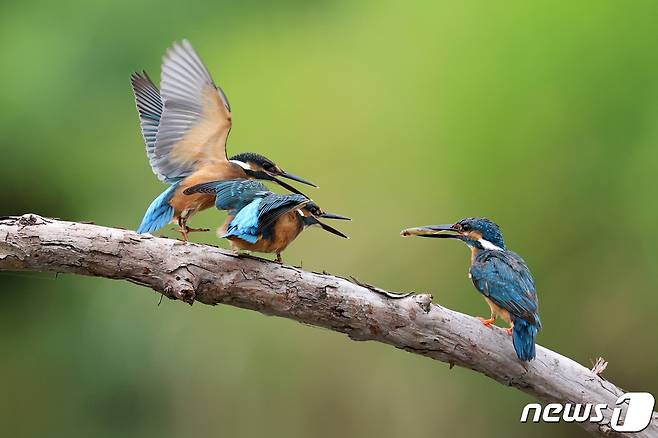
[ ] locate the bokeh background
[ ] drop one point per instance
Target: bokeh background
(540, 115)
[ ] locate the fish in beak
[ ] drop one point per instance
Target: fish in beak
(436, 231)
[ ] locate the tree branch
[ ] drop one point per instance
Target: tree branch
(192, 272)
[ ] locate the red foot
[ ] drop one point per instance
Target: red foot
(509, 330)
(487, 322)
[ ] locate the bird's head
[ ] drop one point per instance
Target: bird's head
(310, 213)
(260, 167)
(476, 232)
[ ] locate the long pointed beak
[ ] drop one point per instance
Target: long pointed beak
(327, 215)
(332, 230)
(284, 184)
(437, 231)
(297, 178)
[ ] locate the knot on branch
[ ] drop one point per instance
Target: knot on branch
(182, 285)
(31, 219)
(424, 301)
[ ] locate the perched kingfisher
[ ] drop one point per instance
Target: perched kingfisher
(262, 221)
(501, 275)
(185, 126)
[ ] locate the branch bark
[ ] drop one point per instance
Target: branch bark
(192, 272)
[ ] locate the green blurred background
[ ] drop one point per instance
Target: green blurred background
(540, 115)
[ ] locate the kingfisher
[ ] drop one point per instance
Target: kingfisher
(262, 221)
(185, 126)
(501, 275)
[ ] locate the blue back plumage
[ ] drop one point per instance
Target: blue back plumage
(231, 195)
(234, 195)
(159, 213)
(504, 278)
(245, 223)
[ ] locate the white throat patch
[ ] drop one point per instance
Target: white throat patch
(488, 245)
(241, 164)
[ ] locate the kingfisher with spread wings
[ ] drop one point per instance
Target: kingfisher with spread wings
(262, 221)
(501, 275)
(185, 126)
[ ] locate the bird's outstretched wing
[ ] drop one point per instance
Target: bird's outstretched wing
(274, 206)
(233, 194)
(149, 108)
(196, 116)
(504, 278)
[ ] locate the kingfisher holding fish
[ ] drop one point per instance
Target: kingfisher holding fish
(262, 221)
(185, 126)
(501, 275)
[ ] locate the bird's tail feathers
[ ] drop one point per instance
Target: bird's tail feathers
(523, 337)
(159, 213)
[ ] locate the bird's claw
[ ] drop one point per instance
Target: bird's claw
(185, 231)
(509, 330)
(487, 322)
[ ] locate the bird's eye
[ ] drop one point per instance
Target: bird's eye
(465, 227)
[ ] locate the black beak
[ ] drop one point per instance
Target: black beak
(334, 216)
(296, 178)
(437, 231)
(285, 185)
(260, 174)
(313, 220)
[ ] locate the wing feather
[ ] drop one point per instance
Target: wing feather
(274, 206)
(232, 194)
(505, 279)
(149, 108)
(196, 116)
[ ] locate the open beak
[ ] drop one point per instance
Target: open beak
(334, 216)
(296, 178)
(326, 227)
(437, 231)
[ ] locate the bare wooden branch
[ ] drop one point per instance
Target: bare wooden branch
(192, 272)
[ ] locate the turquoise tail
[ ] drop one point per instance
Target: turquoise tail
(159, 213)
(523, 337)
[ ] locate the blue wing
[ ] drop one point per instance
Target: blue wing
(274, 206)
(245, 223)
(232, 195)
(505, 279)
(258, 216)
